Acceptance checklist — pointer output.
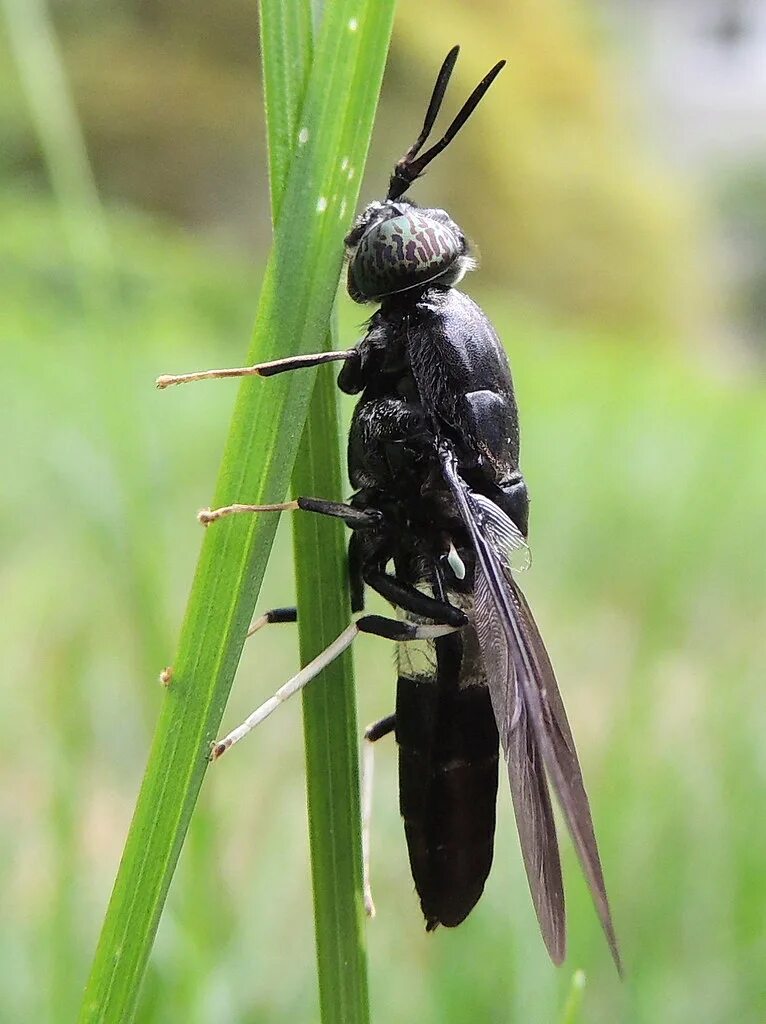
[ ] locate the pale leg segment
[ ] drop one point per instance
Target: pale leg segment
(392, 629)
(352, 517)
(258, 370)
(372, 734)
(274, 615)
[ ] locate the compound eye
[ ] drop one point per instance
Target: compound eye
(400, 253)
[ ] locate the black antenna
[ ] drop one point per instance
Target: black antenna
(434, 106)
(408, 169)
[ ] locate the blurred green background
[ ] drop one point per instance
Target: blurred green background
(620, 214)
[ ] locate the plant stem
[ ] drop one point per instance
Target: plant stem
(330, 731)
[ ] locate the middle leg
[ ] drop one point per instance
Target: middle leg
(410, 599)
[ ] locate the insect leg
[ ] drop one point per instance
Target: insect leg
(351, 516)
(269, 369)
(405, 596)
(355, 572)
(378, 730)
(372, 734)
(273, 615)
(391, 629)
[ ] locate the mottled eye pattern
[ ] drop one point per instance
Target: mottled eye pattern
(403, 252)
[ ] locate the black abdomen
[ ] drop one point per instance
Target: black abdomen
(448, 755)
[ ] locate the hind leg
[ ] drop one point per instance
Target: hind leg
(372, 734)
(378, 625)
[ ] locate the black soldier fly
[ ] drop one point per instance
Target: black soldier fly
(433, 456)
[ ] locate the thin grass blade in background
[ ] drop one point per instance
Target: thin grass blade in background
(41, 70)
(573, 1005)
(292, 317)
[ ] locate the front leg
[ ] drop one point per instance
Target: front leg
(270, 369)
(354, 518)
(380, 354)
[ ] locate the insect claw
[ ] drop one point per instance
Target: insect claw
(217, 749)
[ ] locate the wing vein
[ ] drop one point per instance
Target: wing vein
(532, 723)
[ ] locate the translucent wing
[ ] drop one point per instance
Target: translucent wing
(529, 707)
(529, 789)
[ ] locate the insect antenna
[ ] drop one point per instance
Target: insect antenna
(408, 168)
(434, 106)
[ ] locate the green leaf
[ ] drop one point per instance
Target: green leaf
(330, 728)
(292, 317)
(573, 1005)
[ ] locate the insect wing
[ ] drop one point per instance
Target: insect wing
(529, 789)
(555, 736)
(536, 694)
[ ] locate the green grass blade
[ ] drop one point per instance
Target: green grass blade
(573, 1005)
(40, 66)
(286, 51)
(293, 314)
(330, 728)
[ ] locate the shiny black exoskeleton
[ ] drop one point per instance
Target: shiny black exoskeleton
(431, 368)
(438, 344)
(433, 454)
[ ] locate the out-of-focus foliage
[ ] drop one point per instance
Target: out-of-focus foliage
(567, 210)
(648, 581)
(649, 568)
(744, 205)
(565, 205)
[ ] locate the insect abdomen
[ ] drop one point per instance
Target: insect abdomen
(448, 755)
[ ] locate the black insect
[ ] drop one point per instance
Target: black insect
(433, 455)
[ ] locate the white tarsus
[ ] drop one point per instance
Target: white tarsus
(368, 771)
